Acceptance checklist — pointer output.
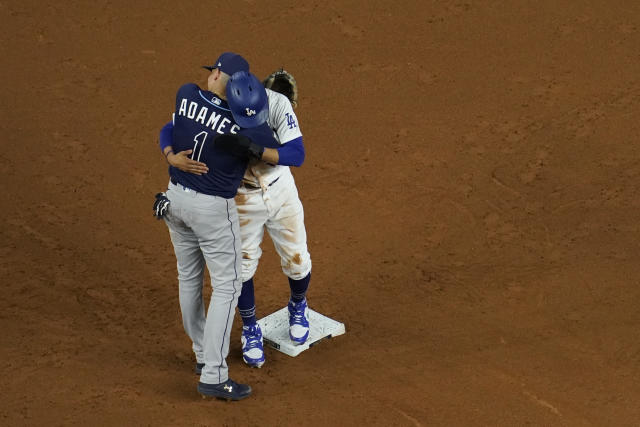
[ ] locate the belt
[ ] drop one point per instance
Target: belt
(274, 181)
(176, 183)
(250, 186)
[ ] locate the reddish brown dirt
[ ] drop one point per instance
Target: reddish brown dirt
(471, 195)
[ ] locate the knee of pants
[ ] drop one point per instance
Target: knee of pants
(297, 267)
(190, 282)
(227, 290)
(249, 267)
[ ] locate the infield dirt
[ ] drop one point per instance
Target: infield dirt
(471, 200)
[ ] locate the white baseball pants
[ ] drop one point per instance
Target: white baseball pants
(280, 211)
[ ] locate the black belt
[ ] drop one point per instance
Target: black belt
(250, 186)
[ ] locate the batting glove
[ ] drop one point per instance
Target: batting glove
(239, 145)
(161, 205)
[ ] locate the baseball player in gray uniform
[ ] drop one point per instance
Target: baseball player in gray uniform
(200, 210)
(268, 198)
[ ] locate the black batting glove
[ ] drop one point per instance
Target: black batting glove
(161, 205)
(239, 146)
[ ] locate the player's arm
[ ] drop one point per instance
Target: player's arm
(165, 139)
(249, 143)
(270, 155)
(179, 160)
(285, 125)
(290, 154)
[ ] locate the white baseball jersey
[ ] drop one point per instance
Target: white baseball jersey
(284, 123)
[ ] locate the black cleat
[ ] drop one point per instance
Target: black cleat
(228, 390)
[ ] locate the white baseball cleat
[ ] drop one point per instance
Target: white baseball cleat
(252, 349)
(298, 321)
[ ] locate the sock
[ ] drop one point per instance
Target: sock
(299, 288)
(247, 304)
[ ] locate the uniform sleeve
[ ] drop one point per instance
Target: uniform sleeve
(291, 153)
(166, 136)
(282, 119)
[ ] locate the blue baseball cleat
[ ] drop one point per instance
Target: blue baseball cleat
(229, 390)
(298, 321)
(252, 349)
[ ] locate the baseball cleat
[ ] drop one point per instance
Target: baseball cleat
(228, 390)
(198, 368)
(298, 321)
(252, 349)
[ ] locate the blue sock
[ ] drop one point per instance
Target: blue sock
(247, 304)
(299, 288)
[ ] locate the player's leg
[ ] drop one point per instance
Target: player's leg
(251, 338)
(251, 236)
(289, 237)
(190, 265)
(252, 214)
(215, 222)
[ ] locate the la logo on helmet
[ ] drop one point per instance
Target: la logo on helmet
(250, 112)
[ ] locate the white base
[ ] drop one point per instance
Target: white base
(275, 331)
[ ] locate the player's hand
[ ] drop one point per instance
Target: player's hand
(182, 161)
(239, 145)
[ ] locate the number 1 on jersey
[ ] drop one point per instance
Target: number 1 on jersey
(199, 138)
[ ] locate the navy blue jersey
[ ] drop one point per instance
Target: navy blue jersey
(201, 116)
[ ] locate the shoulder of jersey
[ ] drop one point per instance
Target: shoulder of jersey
(188, 89)
(276, 97)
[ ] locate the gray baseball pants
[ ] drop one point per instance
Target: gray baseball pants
(205, 230)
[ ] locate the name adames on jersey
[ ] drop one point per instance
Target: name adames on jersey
(199, 113)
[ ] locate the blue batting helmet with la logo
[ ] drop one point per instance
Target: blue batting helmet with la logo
(247, 100)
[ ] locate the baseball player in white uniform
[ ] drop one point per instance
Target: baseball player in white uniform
(268, 198)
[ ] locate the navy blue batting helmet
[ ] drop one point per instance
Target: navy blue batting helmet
(247, 100)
